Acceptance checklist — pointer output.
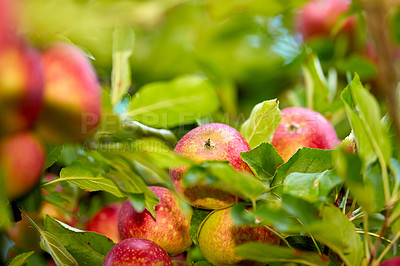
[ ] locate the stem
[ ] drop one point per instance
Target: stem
(345, 201)
(366, 238)
(388, 247)
(278, 235)
(381, 234)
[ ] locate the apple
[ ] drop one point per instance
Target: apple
(21, 86)
(170, 229)
(22, 158)
(137, 251)
(319, 17)
(209, 142)
(391, 262)
(105, 222)
(219, 236)
(24, 234)
(302, 127)
(72, 95)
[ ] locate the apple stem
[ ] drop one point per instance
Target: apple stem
(209, 145)
(293, 127)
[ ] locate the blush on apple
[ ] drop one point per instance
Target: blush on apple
(391, 262)
(105, 222)
(21, 86)
(302, 127)
(219, 237)
(22, 158)
(137, 251)
(170, 229)
(217, 142)
(319, 18)
(72, 95)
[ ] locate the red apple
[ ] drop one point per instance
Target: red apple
(319, 18)
(105, 222)
(137, 251)
(72, 97)
(218, 237)
(216, 142)
(21, 86)
(391, 262)
(302, 127)
(22, 158)
(170, 229)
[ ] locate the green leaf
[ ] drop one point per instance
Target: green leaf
(312, 187)
(5, 207)
(79, 175)
(361, 189)
(365, 118)
(338, 233)
(223, 176)
(177, 102)
(266, 253)
(20, 259)
(53, 246)
(261, 125)
(88, 248)
(123, 43)
(197, 218)
(53, 154)
(305, 243)
(263, 160)
(305, 160)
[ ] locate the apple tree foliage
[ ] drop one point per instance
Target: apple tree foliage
(169, 66)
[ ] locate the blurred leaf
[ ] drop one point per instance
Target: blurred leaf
(312, 187)
(317, 91)
(53, 154)
(395, 21)
(266, 253)
(88, 248)
(261, 125)
(123, 43)
(305, 243)
(79, 175)
(223, 176)
(305, 160)
(357, 64)
(5, 207)
(306, 212)
(338, 233)
(197, 218)
(263, 160)
(177, 102)
(365, 118)
(20, 259)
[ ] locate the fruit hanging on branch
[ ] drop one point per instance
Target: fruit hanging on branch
(169, 229)
(219, 236)
(210, 142)
(137, 251)
(72, 98)
(22, 158)
(302, 127)
(21, 86)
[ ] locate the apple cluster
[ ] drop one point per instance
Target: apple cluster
(47, 96)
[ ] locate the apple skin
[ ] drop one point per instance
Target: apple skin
(226, 145)
(317, 18)
(137, 251)
(105, 222)
(218, 237)
(72, 95)
(22, 158)
(302, 127)
(21, 86)
(170, 230)
(391, 262)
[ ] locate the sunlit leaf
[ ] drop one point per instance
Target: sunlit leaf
(20, 259)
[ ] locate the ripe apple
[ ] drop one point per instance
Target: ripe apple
(21, 86)
(391, 262)
(105, 222)
(72, 95)
(319, 18)
(218, 237)
(302, 127)
(137, 251)
(170, 229)
(22, 158)
(209, 142)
